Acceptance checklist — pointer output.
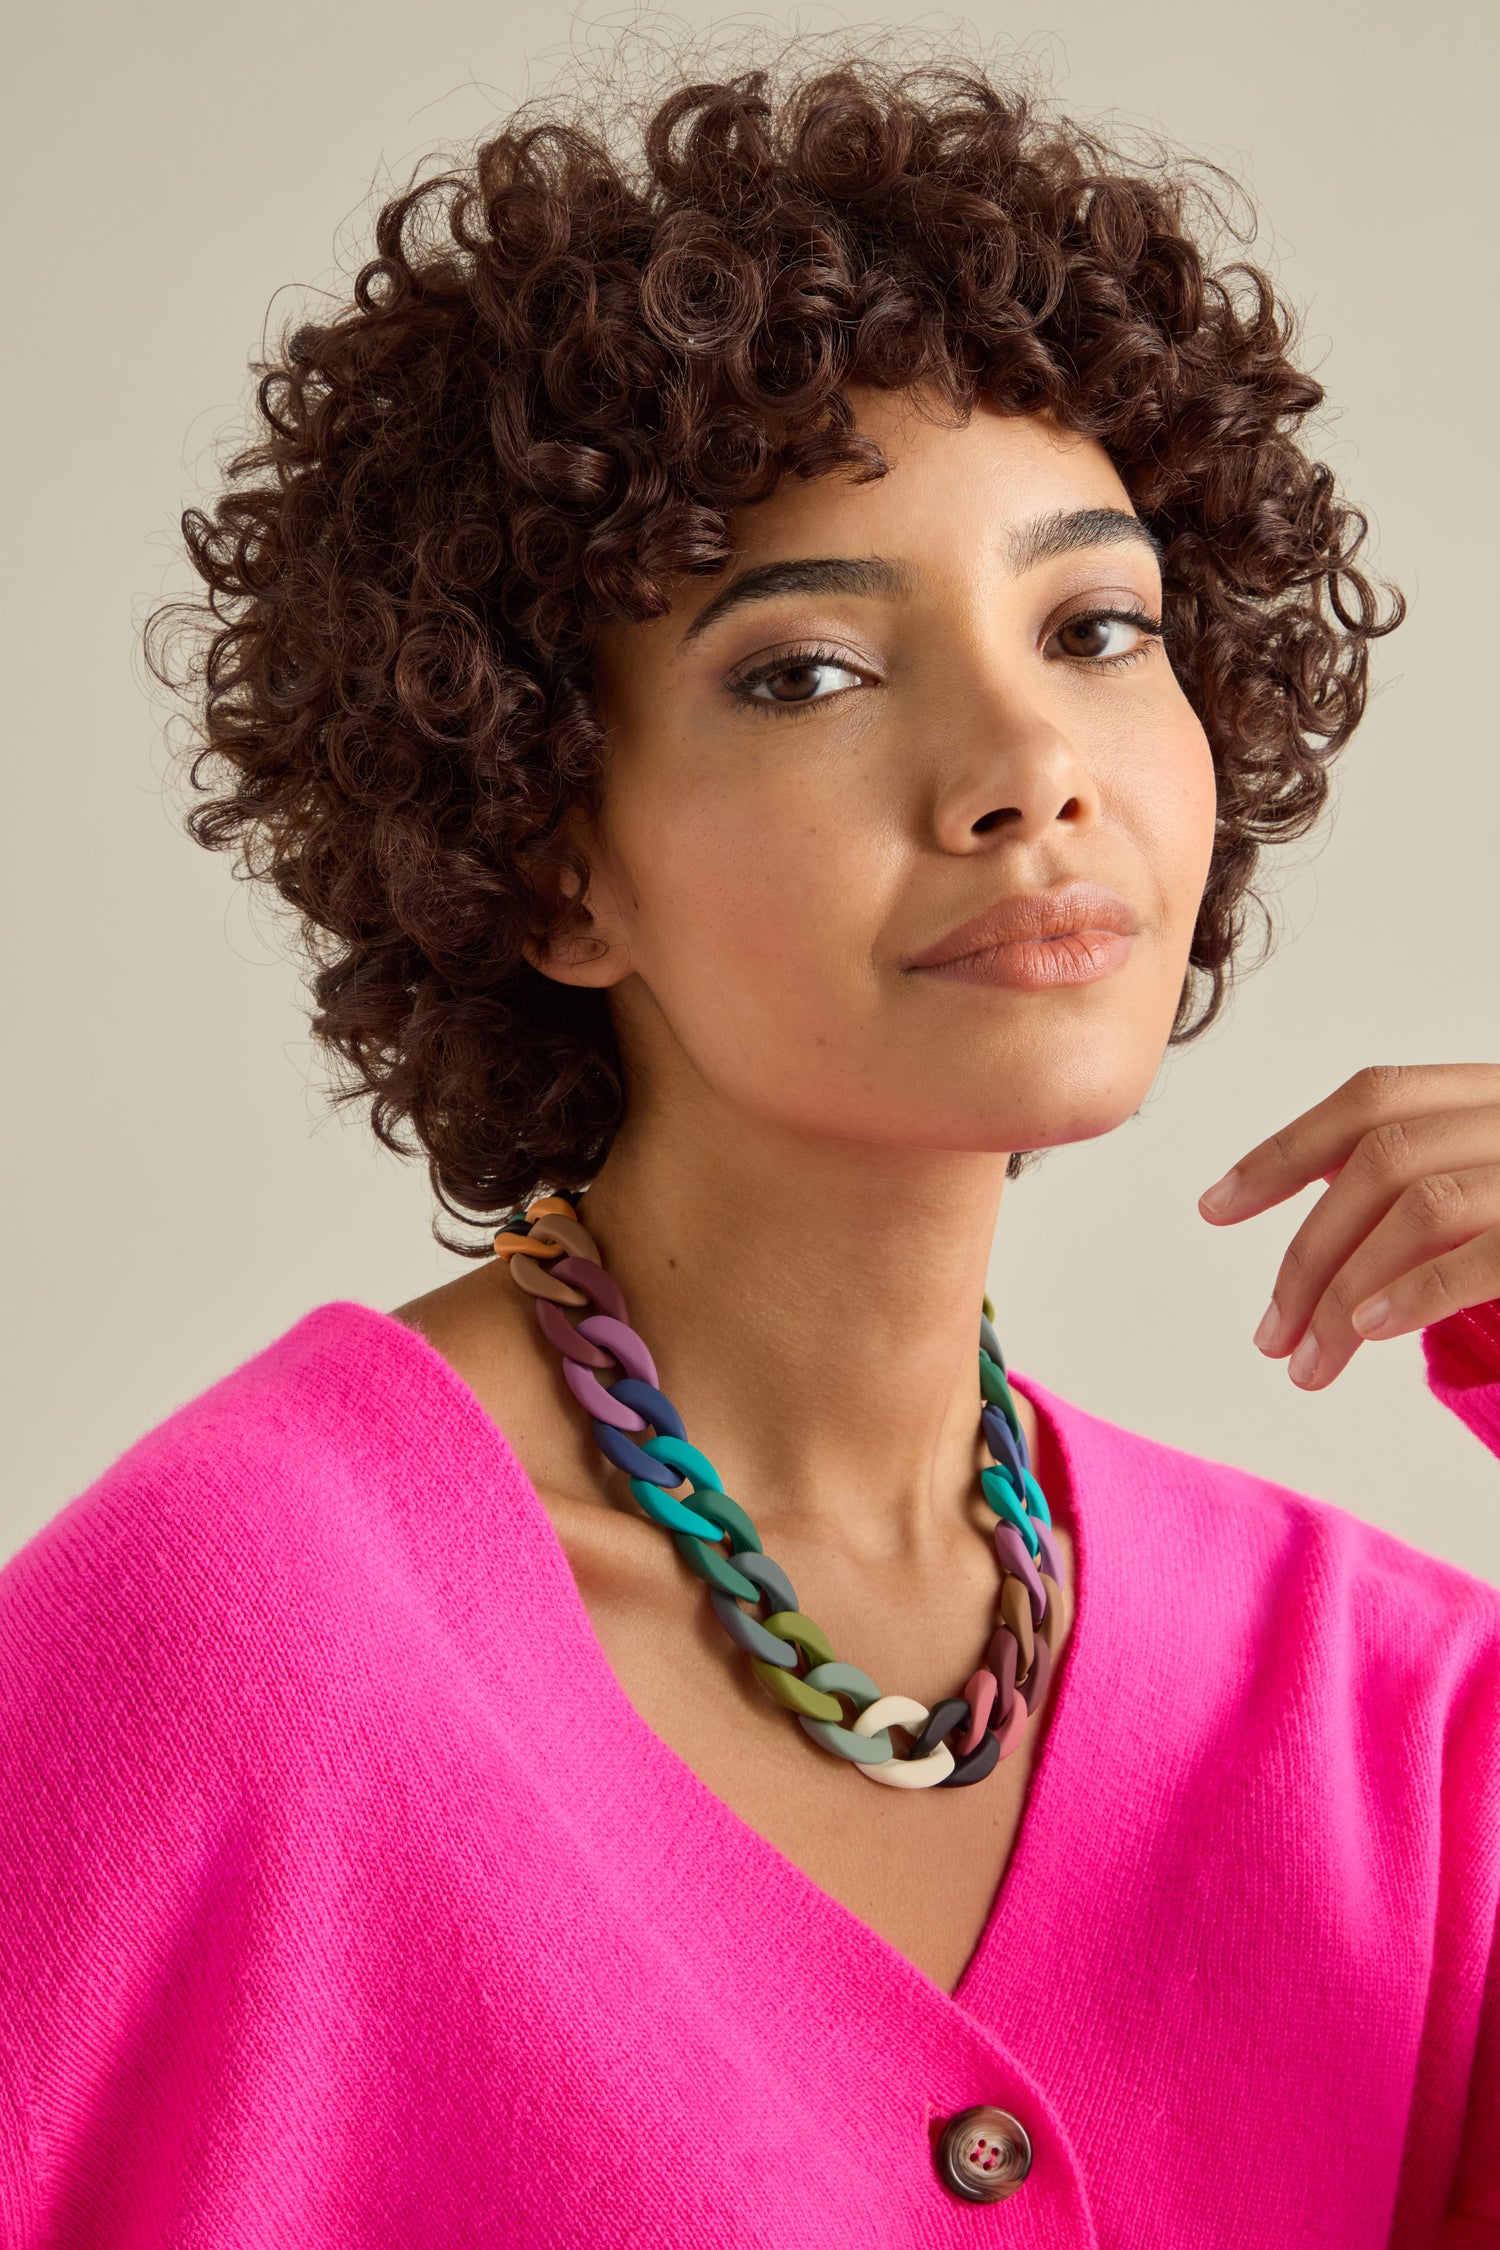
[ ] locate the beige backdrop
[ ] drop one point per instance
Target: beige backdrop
(176, 1191)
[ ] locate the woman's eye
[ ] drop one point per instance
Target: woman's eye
(802, 679)
(1105, 636)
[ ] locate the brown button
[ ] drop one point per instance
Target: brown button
(984, 2155)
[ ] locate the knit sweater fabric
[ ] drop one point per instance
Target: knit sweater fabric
(346, 1901)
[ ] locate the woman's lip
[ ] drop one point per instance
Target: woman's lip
(1041, 964)
(1032, 919)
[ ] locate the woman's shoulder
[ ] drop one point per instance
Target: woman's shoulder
(329, 1394)
(1214, 1533)
(292, 1476)
(246, 1611)
(289, 1615)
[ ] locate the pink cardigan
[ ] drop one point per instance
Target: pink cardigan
(346, 1901)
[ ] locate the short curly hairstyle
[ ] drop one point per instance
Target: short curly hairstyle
(572, 356)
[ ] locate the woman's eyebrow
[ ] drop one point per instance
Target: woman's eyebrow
(1038, 542)
(830, 574)
(1069, 529)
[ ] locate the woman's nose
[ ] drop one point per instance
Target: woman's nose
(1017, 780)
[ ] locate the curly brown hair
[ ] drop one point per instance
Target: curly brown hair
(563, 368)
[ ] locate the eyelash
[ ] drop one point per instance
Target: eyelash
(788, 661)
(819, 653)
(1150, 626)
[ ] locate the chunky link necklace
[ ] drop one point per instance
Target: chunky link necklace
(555, 1260)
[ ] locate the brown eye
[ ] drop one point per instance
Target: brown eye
(1103, 637)
(797, 684)
(806, 679)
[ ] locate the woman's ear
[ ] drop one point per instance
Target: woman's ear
(587, 946)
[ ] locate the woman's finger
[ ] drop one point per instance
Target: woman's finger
(1383, 1163)
(1323, 1137)
(1467, 1276)
(1429, 1231)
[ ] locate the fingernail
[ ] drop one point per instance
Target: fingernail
(1221, 1194)
(1270, 1325)
(1302, 1365)
(1370, 1317)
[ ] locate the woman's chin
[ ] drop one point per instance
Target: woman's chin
(1038, 1125)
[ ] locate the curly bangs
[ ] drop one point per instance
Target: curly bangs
(562, 370)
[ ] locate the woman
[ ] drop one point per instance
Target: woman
(764, 663)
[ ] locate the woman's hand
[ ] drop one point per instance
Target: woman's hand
(1410, 1227)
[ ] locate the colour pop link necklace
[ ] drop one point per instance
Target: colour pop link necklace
(555, 1260)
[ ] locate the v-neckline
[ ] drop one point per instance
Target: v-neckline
(1044, 1807)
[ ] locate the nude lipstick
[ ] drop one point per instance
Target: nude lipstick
(1037, 941)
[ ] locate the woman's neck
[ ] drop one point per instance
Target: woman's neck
(813, 1307)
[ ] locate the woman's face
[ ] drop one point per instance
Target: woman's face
(904, 705)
